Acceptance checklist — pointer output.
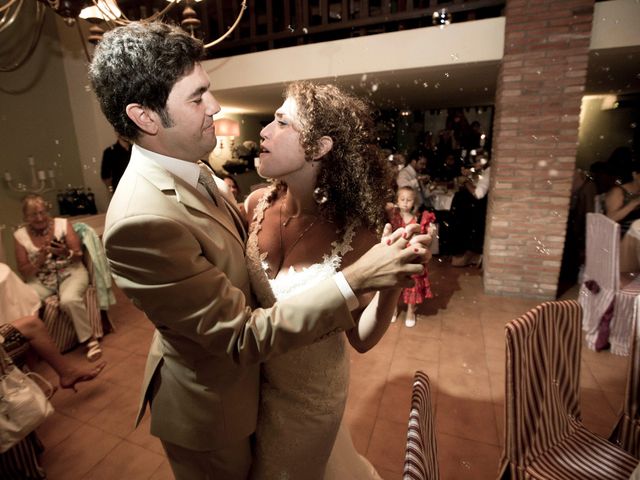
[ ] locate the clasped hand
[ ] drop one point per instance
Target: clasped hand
(392, 262)
(58, 248)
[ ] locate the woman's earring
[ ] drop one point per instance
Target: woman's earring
(320, 195)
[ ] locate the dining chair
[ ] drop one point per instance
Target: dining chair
(626, 433)
(544, 437)
(607, 306)
(57, 321)
(421, 453)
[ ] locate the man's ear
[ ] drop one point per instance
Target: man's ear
(145, 119)
(325, 145)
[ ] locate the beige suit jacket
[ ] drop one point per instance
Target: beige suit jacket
(181, 260)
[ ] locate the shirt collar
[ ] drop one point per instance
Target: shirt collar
(186, 171)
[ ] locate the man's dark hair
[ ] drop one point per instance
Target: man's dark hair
(140, 63)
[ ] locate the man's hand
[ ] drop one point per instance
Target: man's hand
(392, 262)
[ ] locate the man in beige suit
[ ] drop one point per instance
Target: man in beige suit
(176, 249)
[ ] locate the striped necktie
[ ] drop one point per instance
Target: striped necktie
(206, 180)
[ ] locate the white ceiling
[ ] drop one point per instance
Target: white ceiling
(456, 85)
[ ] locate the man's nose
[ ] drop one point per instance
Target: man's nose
(213, 106)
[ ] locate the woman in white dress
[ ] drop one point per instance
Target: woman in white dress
(324, 211)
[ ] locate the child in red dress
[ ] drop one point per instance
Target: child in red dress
(401, 215)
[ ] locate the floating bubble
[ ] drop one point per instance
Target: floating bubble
(466, 464)
(446, 74)
(542, 163)
(305, 30)
(374, 87)
(363, 78)
(441, 17)
(553, 172)
(425, 84)
(633, 125)
(437, 85)
(290, 28)
(56, 141)
(454, 57)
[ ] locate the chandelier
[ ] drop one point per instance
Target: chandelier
(101, 14)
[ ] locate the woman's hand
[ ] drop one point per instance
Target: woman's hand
(58, 248)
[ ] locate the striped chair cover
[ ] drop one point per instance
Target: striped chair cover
(544, 435)
(603, 245)
(421, 454)
(603, 267)
(627, 431)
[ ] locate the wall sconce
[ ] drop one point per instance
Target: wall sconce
(41, 181)
(226, 127)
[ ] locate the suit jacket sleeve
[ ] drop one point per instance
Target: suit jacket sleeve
(160, 264)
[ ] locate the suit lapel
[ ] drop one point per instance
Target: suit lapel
(185, 194)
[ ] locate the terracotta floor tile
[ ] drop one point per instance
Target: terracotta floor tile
(163, 472)
(127, 460)
(466, 418)
(463, 459)
(79, 453)
(386, 449)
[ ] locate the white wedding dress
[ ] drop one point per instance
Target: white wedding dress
(303, 392)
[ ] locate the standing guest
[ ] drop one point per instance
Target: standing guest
(176, 247)
(468, 215)
(232, 187)
(622, 205)
(409, 177)
(401, 215)
(115, 159)
(49, 256)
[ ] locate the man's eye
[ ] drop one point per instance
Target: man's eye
(197, 100)
(280, 122)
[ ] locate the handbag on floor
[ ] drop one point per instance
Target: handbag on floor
(23, 404)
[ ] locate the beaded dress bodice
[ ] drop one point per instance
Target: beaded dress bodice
(302, 392)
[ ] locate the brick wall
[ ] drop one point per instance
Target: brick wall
(540, 86)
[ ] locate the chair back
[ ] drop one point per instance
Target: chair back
(421, 454)
(542, 381)
(602, 262)
(626, 434)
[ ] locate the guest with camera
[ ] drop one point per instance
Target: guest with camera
(49, 254)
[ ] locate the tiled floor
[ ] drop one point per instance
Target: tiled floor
(458, 342)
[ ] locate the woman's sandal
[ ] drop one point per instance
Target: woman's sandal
(94, 352)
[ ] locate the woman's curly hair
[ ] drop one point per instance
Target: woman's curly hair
(353, 176)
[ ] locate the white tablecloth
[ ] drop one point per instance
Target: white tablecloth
(17, 299)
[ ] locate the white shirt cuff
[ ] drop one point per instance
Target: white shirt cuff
(347, 292)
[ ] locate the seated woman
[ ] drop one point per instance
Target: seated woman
(49, 254)
(30, 331)
(622, 204)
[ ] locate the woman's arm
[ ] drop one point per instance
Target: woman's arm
(614, 200)
(25, 267)
(69, 247)
(377, 308)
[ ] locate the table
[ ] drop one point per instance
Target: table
(17, 299)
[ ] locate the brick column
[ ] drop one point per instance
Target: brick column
(540, 86)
